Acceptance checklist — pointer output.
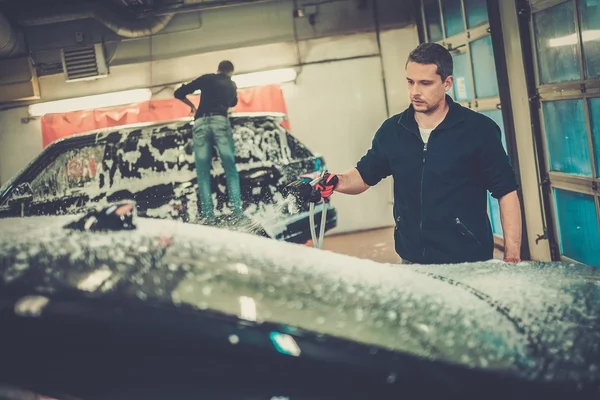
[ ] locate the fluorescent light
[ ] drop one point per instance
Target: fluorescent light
(264, 78)
(248, 308)
(285, 344)
(90, 102)
(569, 40)
(94, 280)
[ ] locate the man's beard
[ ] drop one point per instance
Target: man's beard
(428, 109)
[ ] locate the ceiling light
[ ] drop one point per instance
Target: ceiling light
(264, 78)
(569, 40)
(90, 102)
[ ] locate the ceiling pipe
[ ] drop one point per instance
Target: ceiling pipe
(196, 7)
(146, 23)
(10, 44)
(122, 25)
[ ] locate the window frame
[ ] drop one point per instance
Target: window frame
(584, 89)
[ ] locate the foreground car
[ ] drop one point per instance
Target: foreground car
(153, 165)
(167, 309)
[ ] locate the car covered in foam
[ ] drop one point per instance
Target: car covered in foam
(153, 165)
(138, 308)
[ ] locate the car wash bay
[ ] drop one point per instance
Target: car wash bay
(531, 66)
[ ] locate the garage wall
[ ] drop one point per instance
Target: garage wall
(342, 129)
(335, 106)
(19, 142)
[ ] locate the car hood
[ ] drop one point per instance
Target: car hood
(536, 320)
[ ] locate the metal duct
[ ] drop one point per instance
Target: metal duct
(9, 38)
(126, 27)
(149, 23)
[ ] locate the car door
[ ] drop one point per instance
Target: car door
(259, 157)
(151, 168)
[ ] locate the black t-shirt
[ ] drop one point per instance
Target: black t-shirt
(217, 93)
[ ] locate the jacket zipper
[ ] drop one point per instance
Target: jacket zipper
(458, 222)
(422, 175)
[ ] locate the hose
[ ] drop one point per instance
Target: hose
(323, 222)
(311, 220)
(317, 240)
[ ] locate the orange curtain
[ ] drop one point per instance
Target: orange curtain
(60, 125)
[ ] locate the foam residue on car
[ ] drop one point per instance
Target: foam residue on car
(513, 318)
(154, 165)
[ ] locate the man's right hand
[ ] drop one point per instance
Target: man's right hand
(327, 184)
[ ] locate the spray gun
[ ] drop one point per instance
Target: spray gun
(304, 192)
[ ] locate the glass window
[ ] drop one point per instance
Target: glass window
(590, 33)
(579, 234)
(495, 216)
(454, 21)
(484, 68)
(476, 12)
(556, 43)
(462, 78)
(496, 116)
(566, 134)
(433, 20)
(594, 106)
(76, 171)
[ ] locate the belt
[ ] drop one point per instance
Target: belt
(211, 114)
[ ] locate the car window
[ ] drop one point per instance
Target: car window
(298, 150)
(72, 172)
(146, 158)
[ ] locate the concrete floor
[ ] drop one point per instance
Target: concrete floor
(376, 245)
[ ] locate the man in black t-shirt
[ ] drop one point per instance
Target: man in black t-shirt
(218, 92)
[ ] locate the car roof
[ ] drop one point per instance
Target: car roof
(129, 127)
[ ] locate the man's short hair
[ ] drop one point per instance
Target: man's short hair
(433, 53)
(226, 66)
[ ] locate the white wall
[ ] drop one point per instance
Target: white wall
(335, 106)
(335, 109)
(19, 142)
(396, 45)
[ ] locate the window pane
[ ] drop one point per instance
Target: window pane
(495, 216)
(484, 68)
(578, 226)
(590, 31)
(594, 106)
(433, 20)
(73, 173)
(556, 43)
(496, 116)
(476, 12)
(566, 134)
(462, 78)
(453, 17)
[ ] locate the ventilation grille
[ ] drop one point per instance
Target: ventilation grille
(84, 63)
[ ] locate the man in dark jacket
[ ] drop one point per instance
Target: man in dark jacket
(443, 158)
(212, 127)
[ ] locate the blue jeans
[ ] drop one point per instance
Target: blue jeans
(209, 131)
